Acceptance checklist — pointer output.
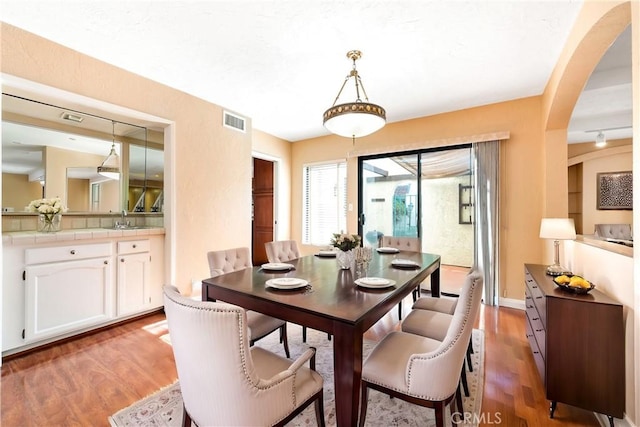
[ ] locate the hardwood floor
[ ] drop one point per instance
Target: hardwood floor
(83, 381)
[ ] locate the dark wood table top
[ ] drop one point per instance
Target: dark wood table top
(331, 295)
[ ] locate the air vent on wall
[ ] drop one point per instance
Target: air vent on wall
(235, 122)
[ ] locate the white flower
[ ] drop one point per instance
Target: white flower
(345, 242)
(47, 206)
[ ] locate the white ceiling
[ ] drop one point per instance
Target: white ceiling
(281, 63)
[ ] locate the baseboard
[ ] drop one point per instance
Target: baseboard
(604, 421)
(511, 303)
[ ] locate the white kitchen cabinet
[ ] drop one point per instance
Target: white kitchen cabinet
(57, 286)
(134, 284)
(73, 292)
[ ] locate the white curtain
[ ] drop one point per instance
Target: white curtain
(486, 173)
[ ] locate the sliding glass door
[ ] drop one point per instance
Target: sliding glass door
(424, 194)
(389, 197)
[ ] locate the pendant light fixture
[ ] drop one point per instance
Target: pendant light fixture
(110, 168)
(357, 118)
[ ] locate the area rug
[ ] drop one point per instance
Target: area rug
(164, 407)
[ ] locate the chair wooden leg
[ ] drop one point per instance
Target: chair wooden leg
(304, 334)
(186, 418)
(285, 341)
(463, 379)
(439, 408)
(459, 407)
(400, 310)
(469, 351)
(364, 394)
(329, 337)
(319, 407)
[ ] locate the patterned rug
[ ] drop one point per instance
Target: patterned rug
(164, 407)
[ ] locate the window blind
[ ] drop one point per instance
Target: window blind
(324, 202)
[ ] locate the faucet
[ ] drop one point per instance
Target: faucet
(122, 223)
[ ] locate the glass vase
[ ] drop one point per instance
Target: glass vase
(49, 223)
(345, 259)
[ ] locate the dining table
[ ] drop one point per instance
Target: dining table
(329, 299)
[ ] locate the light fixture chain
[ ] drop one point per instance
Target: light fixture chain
(341, 88)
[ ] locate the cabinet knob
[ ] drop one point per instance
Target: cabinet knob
(135, 246)
(106, 262)
(121, 259)
(73, 252)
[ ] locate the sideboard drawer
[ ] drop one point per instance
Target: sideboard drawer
(537, 356)
(537, 297)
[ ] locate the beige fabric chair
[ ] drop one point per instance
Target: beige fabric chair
(282, 250)
(422, 370)
(225, 382)
(614, 231)
(260, 325)
(411, 244)
(431, 318)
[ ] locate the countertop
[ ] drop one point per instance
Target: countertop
(32, 237)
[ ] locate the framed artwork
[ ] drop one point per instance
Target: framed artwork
(615, 190)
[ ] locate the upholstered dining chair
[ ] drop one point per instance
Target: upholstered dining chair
(283, 251)
(430, 317)
(411, 244)
(260, 325)
(226, 382)
(421, 370)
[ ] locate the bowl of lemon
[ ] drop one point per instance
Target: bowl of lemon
(575, 284)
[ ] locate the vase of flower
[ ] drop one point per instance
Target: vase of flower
(50, 214)
(346, 243)
(49, 223)
(345, 259)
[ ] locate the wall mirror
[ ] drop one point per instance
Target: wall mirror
(52, 151)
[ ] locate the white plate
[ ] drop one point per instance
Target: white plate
(388, 250)
(375, 282)
(287, 283)
(404, 263)
(327, 253)
(276, 266)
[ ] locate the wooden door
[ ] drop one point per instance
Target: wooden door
(263, 221)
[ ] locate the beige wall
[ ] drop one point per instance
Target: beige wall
(78, 194)
(18, 191)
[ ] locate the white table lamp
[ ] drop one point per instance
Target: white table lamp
(557, 229)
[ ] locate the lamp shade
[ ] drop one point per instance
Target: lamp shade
(355, 119)
(110, 168)
(557, 229)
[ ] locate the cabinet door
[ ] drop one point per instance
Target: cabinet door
(67, 296)
(133, 283)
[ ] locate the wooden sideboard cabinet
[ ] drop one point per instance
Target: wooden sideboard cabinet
(577, 343)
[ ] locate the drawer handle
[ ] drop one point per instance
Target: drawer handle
(536, 318)
(536, 352)
(529, 306)
(73, 252)
(538, 297)
(539, 330)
